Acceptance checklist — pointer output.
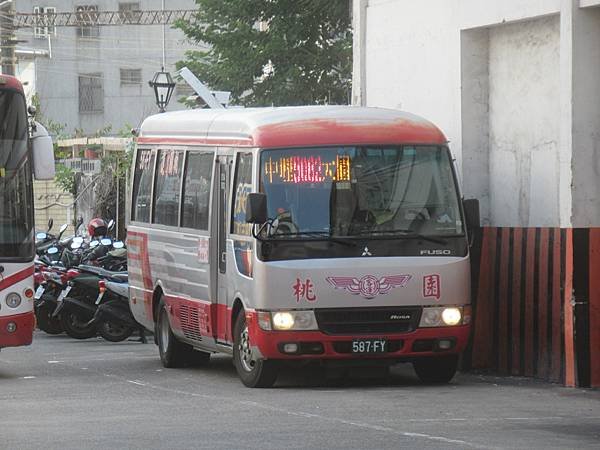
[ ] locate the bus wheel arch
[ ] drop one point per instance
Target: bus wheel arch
(156, 296)
(238, 306)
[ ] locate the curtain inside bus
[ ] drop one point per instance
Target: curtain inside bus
(16, 215)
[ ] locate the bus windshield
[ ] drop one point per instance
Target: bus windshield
(387, 191)
(16, 221)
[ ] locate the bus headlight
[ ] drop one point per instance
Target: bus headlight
(13, 300)
(293, 320)
(451, 316)
(439, 316)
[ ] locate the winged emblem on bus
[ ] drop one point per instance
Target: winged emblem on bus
(369, 286)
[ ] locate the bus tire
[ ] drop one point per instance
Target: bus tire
(436, 369)
(254, 373)
(174, 353)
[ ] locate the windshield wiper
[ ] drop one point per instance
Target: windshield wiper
(403, 232)
(320, 235)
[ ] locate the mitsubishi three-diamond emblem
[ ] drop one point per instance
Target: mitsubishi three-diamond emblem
(366, 252)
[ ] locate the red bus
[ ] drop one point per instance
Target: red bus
(25, 147)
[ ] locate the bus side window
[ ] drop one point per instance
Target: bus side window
(166, 187)
(196, 190)
(142, 186)
(243, 186)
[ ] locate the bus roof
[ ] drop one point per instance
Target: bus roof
(8, 81)
(294, 126)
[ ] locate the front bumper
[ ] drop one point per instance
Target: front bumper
(23, 335)
(418, 343)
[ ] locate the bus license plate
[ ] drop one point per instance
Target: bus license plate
(369, 346)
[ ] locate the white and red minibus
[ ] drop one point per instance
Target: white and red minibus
(299, 233)
(20, 153)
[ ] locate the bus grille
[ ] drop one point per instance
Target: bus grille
(190, 323)
(367, 320)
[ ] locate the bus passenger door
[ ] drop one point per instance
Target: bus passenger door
(224, 174)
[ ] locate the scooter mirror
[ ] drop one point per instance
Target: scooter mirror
(63, 227)
(94, 244)
(106, 241)
(118, 244)
(40, 236)
(50, 223)
(52, 250)
(111, 224)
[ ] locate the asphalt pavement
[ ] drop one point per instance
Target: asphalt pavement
(64, 394)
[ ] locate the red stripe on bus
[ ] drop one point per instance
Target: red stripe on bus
(140, 241)
(529, 294)
(594, 307)
(16, 277)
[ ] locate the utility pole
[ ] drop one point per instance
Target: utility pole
(7, 37)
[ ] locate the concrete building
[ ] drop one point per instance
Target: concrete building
(515, 85)
(92, 77)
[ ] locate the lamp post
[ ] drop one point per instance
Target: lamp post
(163, 86)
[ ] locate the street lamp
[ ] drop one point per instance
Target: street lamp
(163, 86)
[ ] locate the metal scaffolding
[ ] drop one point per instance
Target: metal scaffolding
(88, 18)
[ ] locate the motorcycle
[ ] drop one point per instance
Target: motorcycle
(113, 316)
(76, 304)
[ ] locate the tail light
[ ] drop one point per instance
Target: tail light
(72, 273)
(101, 286)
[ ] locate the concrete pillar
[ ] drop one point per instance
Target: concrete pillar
(585, 129)
(359, 66)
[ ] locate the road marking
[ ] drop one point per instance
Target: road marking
(139, 383)
(54, 362)
(30, 377)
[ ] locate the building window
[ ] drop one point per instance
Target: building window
(91, 93)
(129, 11)
(87, 18)
(131, 77)
(44, 31)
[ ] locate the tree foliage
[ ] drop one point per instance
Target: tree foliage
(273, 52)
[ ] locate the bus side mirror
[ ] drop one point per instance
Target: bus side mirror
(256, 208)
(471, 207)
(42, 153)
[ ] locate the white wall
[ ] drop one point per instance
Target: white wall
(524, 119)
(513, 85)
(411, 61)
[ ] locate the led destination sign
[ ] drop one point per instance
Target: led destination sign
(306, 169)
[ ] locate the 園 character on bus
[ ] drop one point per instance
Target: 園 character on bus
(299, 234)
(25, 147)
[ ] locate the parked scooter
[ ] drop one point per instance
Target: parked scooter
(113, 316)
(76, 304)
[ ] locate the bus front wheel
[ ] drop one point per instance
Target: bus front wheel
(252, 371)
(438, 369)
(174, 353)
